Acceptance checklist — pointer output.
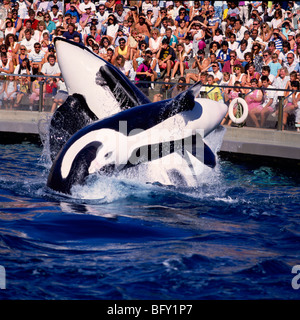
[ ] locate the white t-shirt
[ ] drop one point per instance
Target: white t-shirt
(28, 44)
(50, 70)
(82, 6)
(218, 75)
(270, 94)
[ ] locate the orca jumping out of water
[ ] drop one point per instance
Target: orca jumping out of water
(142, 132)
(97, 90)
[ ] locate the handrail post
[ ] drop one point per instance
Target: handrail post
(280, 113)
(41, 93)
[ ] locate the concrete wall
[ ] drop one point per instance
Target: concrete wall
(249, 141)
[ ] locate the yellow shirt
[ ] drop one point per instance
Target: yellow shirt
(211, 93)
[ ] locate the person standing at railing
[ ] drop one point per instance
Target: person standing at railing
(254, 99)
(10, 92)
(269, 104)
(2, 82)
(292, 104)
(213, 93)
(35, 89)
(23, 90)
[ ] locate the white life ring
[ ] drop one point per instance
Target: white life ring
(244, 116)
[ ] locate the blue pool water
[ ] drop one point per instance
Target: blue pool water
(235, 237)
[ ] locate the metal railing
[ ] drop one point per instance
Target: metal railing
(161, 90)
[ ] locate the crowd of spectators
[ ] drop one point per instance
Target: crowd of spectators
(237, 43)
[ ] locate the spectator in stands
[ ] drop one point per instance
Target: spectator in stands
(269, 104)
(213, 92)
(24, 89)
(10, 92)
(267, 58)
(233, 44)
(238, 75)
(277, 39)
(28, 41)
(123, 49)
(143, 27)
(40, 5)
(22, 54)
(282, 81)
(266, 32)
(6, 66)
(266, 71)
(73, 11)
(144, 72)
(37, 56)
(50, 25)
(252, 73)
(239, 30)
(71, 33)
(291, 63)
(173, 41)
(201, 63)
(254, 100)
(182, 16)
(12, 47)
(23, 67)
(34, 22)
(292, 104)
(9, 27)
(57, 3)
(166, 57)
(214, 23)
(224, 53)
(181, 61)
(120, 14)
(230, 64)
(35, 89)
(278, 19)
(38, 33)
(180, 87)
(87, 4)
(216, 73)
(17, 21)
(154, 41)
(51, 68)
(112, 27)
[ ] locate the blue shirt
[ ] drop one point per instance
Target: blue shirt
(74, 13)
(225, 56)
(172, 39)
(274, 68)
(70, 36)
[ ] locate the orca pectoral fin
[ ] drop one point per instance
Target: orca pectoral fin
(73, 115)
(125, 92)
(209, 157)
(195, 89)
(201, 151)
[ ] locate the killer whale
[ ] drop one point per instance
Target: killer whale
(103, 147)
(96, 90)
(83, 131)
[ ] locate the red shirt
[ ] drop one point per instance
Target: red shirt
(34, 23)
(227, 66)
